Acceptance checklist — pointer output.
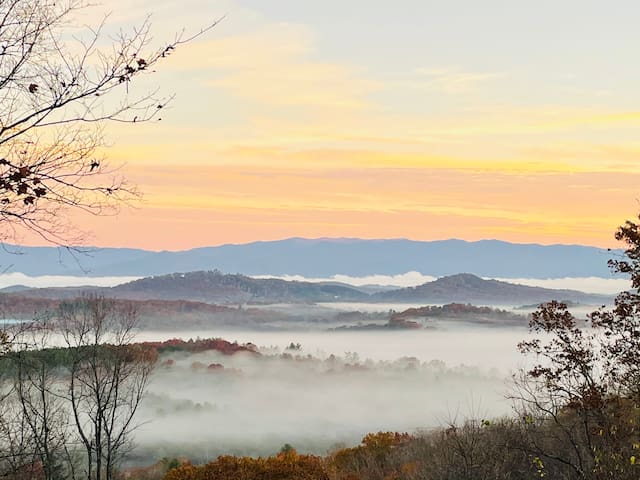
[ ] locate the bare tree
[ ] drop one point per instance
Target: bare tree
(33, 417)
(107, 379)
(16, 451)
(69, 412)
(56, 91)
(39, 389)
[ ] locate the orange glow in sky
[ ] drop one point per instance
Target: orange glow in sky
(290, 123)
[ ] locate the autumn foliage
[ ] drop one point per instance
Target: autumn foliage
(201, 345)
(380, 456)
(284, 466)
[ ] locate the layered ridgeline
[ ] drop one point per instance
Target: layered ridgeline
(323, 258)
(217, 287)
(469, 288)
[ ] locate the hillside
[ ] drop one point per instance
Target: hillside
(458, 312)
(214, 287)
(467, 288)
(158, 314)
(432, 315)
(218, 288)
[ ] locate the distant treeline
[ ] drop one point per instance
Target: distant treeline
(458, 311)
(60, 357)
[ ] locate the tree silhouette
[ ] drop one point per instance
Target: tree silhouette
(56, 93)
(579, 400)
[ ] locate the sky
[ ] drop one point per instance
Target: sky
(410, 119)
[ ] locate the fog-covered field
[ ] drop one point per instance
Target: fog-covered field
(336, 388)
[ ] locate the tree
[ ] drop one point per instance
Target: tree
(38, 393)
(68, 413)
(56, 92)
(287, 465)
(108, 376)
(560, 399)
(621, 325)
(34, 432)
(580, 401)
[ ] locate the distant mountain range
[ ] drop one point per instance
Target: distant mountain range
(219, 288)
(323, 258)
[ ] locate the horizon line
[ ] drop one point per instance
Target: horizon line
(90, 248)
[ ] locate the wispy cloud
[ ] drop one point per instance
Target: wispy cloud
(451, 80)
(277, 132)
(274, 67)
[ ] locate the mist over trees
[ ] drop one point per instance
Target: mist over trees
(68, 413)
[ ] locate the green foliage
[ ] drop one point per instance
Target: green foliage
(170, 463)
(286, 448)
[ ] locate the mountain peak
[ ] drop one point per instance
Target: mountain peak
(460, 279)
(469, 288)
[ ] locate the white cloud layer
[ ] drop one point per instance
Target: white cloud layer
(409, 279)
(17, 278)
(607, 286)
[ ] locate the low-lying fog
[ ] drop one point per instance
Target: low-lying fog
(484, 347)
(331, 316)
(399, 380)
(337, 387)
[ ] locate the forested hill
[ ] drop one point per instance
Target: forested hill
(469, 288)
(216, 287)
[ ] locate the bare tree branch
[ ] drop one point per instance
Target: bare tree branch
(56, 93)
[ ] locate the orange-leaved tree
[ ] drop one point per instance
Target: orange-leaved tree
(286, 465)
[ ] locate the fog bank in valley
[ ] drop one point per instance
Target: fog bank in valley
(334, 389)
(454, 344)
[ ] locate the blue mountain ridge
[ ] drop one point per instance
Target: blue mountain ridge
(322, 258)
